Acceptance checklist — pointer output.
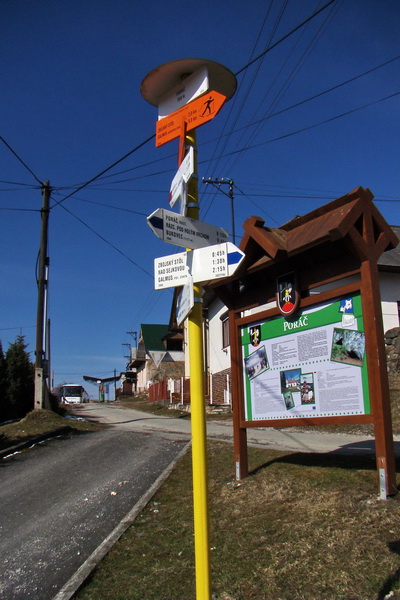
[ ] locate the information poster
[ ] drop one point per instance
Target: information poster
(309, 365)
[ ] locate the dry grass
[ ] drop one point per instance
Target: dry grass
(301, 527)
(38, 422)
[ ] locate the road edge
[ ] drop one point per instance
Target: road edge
(77, 580)
(36, 439)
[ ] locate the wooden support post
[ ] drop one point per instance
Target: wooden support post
(239, 433)
(378, 379)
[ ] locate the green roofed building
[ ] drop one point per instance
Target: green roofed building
(159, 354)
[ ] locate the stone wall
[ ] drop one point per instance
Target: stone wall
(392, 344)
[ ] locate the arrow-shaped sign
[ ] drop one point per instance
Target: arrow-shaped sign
(194, 114)
(185, 301)
(183, 231)
(184, 173)
(204, 264)
(213, 262)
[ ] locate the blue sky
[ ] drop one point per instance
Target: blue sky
(71, 106)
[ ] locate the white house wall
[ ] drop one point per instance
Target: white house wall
(219, 358)
(390, 296)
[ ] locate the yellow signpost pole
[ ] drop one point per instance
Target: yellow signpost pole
(165, 84)
(198, 417)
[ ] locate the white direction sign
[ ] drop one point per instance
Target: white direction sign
(185, 301)
(171, 271)
(183, 231)
(193, 86)
(204, 264)
(214, 262)
(178, 185)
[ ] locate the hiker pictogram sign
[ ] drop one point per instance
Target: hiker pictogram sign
(194, 114)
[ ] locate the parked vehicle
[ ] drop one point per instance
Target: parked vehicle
(72, 393)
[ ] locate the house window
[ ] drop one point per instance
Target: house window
(225, 330)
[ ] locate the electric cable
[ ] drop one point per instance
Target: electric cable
(105, 240)
(282, 39)
(104, 170)
(20, 160)
(289, 80)
(135, 212)
(249, 87)
(248, 125)
(21, 209)
(238, 72)
(318, 95)
(28, 185)
(313, 126)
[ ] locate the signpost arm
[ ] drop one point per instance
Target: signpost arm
(198, 417)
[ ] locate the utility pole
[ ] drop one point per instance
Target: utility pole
(219, 182)
(40, 375)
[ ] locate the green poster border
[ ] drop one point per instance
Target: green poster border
(274, 327)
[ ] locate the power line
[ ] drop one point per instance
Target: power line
(106, 241)
(28, 185)
(135, 212)
(21, 209)
(20, 160)
(152, 136)
(282, 39)
(308, 127)
(269, 107)
(252, 124)
(318, 95)
(104, 171)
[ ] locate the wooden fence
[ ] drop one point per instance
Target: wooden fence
(170, 391)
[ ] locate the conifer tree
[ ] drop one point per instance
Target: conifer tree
(3, 385)
(20, 379)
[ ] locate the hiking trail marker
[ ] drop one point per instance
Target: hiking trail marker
(178, 185)
(196, 113)
(183, 231)
(203, 264)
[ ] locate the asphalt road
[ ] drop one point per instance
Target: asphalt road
(292, 439)
(61, 499)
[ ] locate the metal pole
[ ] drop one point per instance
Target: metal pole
(232, 210)
(198, 414)
(40, 319)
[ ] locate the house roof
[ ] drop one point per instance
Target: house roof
(320, 247)
(153, 335)
(335, 221)
(390, 260)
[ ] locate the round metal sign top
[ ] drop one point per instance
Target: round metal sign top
(164, 78)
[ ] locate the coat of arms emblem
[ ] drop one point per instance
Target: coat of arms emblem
(255, 335)
(287, 296)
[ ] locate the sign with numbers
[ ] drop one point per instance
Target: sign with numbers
(204, 264)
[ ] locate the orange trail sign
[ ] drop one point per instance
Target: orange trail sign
(194, 114)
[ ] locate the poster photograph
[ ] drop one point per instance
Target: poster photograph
(312, 364)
